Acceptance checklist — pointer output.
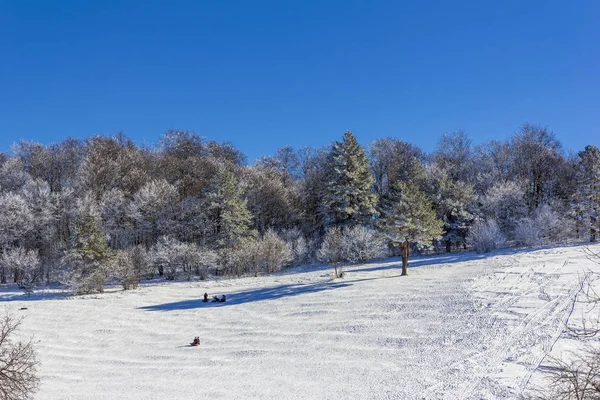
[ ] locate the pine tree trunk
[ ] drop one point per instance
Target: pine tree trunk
(405, 254)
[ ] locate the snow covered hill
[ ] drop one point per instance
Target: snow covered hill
(461, 326)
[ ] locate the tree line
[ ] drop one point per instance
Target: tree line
(82, 212)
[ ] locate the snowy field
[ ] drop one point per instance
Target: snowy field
(458, 327)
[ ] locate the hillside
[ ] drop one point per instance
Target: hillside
(461, 326)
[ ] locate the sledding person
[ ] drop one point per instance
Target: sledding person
(223, 299)
(196, 341)
(205, 300)
(215, 299)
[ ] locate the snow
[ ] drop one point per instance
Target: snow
(461, 326)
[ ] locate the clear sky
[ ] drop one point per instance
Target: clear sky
(264, 74)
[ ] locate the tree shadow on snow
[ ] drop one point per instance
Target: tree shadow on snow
(270, 293)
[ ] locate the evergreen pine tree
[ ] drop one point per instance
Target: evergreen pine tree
(228, 210)
(89, 257)
(349, 199)
(407, 216)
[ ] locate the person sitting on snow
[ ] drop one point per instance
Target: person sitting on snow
(223, 299)
(196, 341)
(215, 299)
(205, 300)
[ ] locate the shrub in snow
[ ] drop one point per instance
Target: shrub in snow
(26, 267)
(486, 236)
(361, 244)
(173, 258)
(527, 233)
(267, 254)
(331, 251)
(241, 259)
(196, 260)
(544, 226)
(274, 252)
(505, 203)
(551, 226)
(164, 256)
(302, 249)
(129, 265)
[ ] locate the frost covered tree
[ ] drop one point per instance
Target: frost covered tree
(285, 161)
(57, 164)
(89, 257)
(116, 215)
(16, 221)
(527, 233)
(486, 236)
(164, 255)
(18, 363)
(153, 209)
(44, 236)
(12, 175)
(275, 252)
(272, 198)
(228, 209)
(505, 203)
(362, 244)
(588, 193)
(175, 258)
(26, 267)
(313, 190)
(349, 199)
(392, 160)
(536, 159)
(302, 248)
(129, 265)
(408, 216)
(192, 223)
(454, 154)
(112, 163)
(197, 260)
(332, 252)
(454, 201)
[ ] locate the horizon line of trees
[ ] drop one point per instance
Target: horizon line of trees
(84, 211)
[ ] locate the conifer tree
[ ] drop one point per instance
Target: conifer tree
(89, 257)
(228, 210)
(408, 216)
(349, 199)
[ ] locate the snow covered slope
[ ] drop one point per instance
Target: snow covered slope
(457, 327)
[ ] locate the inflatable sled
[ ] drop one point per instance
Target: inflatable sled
(194, 344)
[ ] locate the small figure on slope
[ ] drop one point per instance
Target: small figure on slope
(196, 341)
(205, 300)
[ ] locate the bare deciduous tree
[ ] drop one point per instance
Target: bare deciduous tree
(18, 364)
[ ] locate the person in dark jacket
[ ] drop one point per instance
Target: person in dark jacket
(205, 298)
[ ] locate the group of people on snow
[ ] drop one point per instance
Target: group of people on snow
(215, 299)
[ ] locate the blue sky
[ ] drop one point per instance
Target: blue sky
(264, 74)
